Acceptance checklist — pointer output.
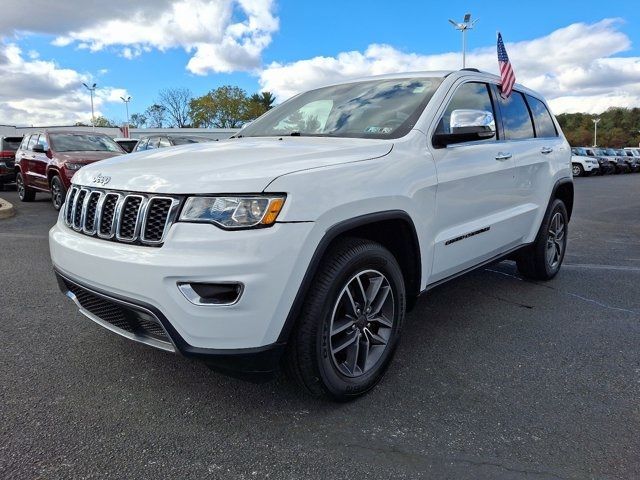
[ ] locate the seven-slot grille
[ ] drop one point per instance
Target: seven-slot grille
(121, 216)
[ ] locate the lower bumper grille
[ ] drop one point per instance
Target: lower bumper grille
(118, 316)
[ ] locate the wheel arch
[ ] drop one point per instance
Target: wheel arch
(563, 190)
(394, 229)
(51, 172)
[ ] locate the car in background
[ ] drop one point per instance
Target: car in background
(618, 161)
(46, 161)
(582, 164)
(161, 141)
(605, 165)
(127, 144)
(8, 147)
(632, 160)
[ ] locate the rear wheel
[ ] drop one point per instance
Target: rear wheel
(58, 192)
(350, 323)
(542, 259)
(25, 194)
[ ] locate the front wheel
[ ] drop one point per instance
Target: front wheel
(577, 170)
(58, 192)
(542, 259)
(25, 194)
(350, 323)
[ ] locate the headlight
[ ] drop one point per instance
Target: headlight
(233, 212)
(74, 166)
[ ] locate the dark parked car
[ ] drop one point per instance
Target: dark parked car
(161, 141)
(127, 144)
(631, 159)
(8, 147)
(46, 161)
(618, 161)
(606, 166)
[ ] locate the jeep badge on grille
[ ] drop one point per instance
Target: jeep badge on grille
(101, 179)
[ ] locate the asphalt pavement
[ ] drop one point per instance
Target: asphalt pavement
(496, 377)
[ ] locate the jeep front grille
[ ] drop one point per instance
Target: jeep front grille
(138, 218)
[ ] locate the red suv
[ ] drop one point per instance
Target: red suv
(46, 161)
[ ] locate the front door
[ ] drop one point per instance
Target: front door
(474, 199)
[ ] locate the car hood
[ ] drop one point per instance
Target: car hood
(230, 166)
(84, 157)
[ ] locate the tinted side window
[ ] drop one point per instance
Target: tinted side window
(32, 141)
(25, 142)
(516, 119)
(164, 142)
(42, 140)
(153, 143)
(142, 144)
(541, 118)
(473, 96)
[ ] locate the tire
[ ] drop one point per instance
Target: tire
(58, 192)
(25, 194)
(577, 170)
(314, 358)
(538, 261)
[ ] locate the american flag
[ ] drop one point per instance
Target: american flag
(506, 72)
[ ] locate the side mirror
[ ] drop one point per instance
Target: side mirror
(467, 126)
(38, 148)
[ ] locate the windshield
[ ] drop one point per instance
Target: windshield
(611, 152)
(371, 109)
(71, 142)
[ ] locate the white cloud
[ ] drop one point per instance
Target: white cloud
(220, 35)
(574, 67)
(39, 92)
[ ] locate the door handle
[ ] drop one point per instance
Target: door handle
(546, 150)
(502, 156)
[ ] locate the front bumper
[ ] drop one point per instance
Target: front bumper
(269, 262)
(7, 177)
(146, 324)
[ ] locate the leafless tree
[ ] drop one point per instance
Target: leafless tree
(176, 104)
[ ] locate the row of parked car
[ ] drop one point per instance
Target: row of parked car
(601, 161)
(45, 162)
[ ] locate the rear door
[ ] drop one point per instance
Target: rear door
(533, 138)
(475, 191)
(40, 161)
(27, 160)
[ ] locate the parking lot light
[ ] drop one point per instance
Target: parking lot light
(595, 131)
(92, 90)
(126, 105)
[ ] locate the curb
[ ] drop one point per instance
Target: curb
(6, 209)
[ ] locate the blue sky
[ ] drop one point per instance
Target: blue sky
(304, 31)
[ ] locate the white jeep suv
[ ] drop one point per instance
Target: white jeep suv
(304, 239)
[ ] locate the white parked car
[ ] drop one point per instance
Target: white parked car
(582, 164)
(304, 240)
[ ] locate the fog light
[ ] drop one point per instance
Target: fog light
(226, 293)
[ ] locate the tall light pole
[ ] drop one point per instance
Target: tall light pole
(126, 104)
(465, 25)
(92, 90)
(595, 131)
